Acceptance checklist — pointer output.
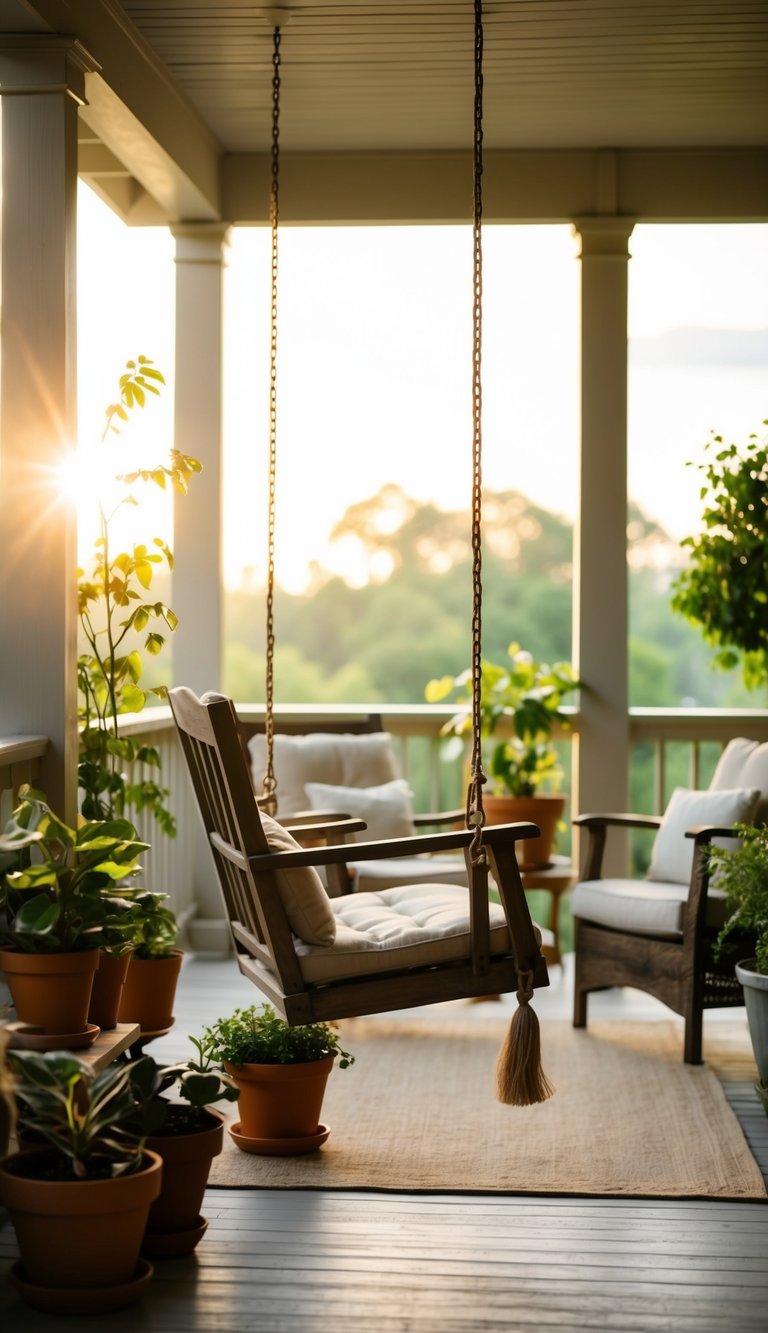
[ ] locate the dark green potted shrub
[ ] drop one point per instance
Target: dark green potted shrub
(281, 1073)
(79, 1198)
(187, 1133)
(56, 896)
(742, 874)
(523, 770)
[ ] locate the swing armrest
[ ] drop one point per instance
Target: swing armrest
(500, 834)
(322, 821)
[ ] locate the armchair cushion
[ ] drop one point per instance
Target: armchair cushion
(744, 763)
(303, 896)
(639, 907)
(339, 760)
(672, 855)
(386, 809)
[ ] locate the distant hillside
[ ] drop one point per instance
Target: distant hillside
(723, 347)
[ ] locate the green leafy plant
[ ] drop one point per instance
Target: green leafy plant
(196, 1083)
(114, 607)
(86, 1120)
(150, 922)
(528, 694)
(259, 1036)
(724, 589)
(59, 886)
(742, 874)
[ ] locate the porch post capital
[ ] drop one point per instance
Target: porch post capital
(604, 237)
(43, 65)
(202, 242)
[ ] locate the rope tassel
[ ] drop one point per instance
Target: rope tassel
(520, 1079)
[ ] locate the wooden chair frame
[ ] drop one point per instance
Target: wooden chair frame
(263, 940)
(681, 973)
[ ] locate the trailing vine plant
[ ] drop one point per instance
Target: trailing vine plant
(121, 773)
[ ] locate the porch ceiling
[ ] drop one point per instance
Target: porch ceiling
(360, 75)
(376, 114)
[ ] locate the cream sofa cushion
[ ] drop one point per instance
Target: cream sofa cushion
(641, 907)
(307, 905)
(672, 856)
(412, 926)
(387, 809)
(337, 760)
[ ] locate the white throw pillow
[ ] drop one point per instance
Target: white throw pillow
(672, 852)
(345, 760)
(387, 809)
(306, 902)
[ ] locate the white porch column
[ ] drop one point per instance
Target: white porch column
(42, 84)
(197, 577)
(600, 575)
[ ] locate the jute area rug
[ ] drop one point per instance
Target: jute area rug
(417, 1112)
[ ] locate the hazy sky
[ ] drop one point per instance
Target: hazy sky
(374, 368)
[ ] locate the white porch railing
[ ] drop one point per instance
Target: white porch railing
(684, 745)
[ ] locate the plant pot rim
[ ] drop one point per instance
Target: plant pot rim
(746, 973)
(265, 1070)
(52, 957)
(61, 1190)
(219, 1120)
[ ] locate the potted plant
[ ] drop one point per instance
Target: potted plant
(281, 1073)
(187, 1133)
(724, 589)
(80, 1197)
(55, 899)
(155, 963)
(742, 874)
(115, 609)
(523, 768)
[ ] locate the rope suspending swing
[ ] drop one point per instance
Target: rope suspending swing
(520, 1079)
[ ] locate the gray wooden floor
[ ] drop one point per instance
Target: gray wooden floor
(313, 1262)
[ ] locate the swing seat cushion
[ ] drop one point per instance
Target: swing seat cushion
(418, 925)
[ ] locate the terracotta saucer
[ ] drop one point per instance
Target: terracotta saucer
(27, 1037)
(173, 1244)
(279, 1147)
(150, 1035)
(82, 1300)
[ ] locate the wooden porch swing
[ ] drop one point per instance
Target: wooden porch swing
(319, 957)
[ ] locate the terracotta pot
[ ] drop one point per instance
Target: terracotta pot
(83, 1233)
(546, 810)
(51, 991)
(108, 989)
(149, 992)
(280, 1101)
(186, 1163)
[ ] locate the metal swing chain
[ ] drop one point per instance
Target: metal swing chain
(270, 781)
(475, 815)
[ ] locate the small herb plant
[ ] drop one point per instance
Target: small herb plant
(724, 589)
(58, 886)
(258, 1036)
(529, 694)
(114, 607)
(742, 874)
(151, 924)
(82, 1123)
